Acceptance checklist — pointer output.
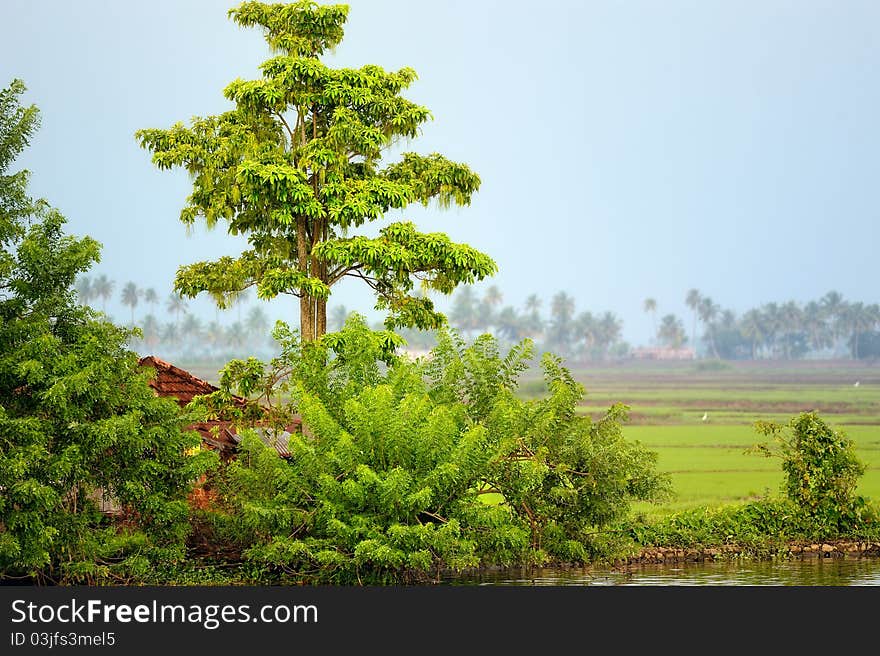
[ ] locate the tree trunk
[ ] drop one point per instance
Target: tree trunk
(306, 318)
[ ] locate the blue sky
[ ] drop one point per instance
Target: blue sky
(627, 149)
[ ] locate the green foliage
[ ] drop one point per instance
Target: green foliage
(76, 414)
(390, 476)
(820, 466)
(296, 165)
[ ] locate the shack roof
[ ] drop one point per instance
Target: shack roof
(173, 382)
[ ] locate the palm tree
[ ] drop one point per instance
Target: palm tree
(752, 327)
(130, 296)
(815, 323)
(692, 300)
(650, 306)
(791, 318)
(708, 310)
(587, 328)
(834, 307)
(85, 291)
(191, 330)
(509, 324)
(175, 305)
(257, 322)
(610, 328)
(464, 310)
(151, 298)
(491, 299)
(533, 325)
(337, 318)
(671, 333)
(861, 319)
(103, 289)
(170, 335)
(150, 329)
(236, 335)
(561, 324)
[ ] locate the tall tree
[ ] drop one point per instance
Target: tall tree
(103, 288)
(671, 333)
(650, 306)
(560, 333)
(464, 314)
(708, 310)
(175, 305)
(85, 291)
(151, 298)
(131, 294)
(692, 300)
(338, 315)
(753, 328)
(295, 167)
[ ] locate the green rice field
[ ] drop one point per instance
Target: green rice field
(708, 459)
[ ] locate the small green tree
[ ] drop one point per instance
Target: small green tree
(297, 165)
(77, 417)
(821, 468)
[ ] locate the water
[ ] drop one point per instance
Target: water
(805, 572)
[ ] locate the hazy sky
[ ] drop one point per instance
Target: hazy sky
(627, 149)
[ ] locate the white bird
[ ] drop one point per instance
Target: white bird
(856, 384)
(705, 416)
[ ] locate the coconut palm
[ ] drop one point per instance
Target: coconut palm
(257, 323)
(464, 314)
(753, 327)
(337, 318)
(236, 335)
(130, 297)
(650, 306)
(610, 328)
(561, 328)
(692, 300)
(671, 333)
(175, 305)
(170, 335)
(151, 329)
(860, 319)
(103, 289)
(191, 330)
(834, 307)
(509, 324)
(815, 323)
(532, 324)
(708, 310)
(151, 298)
(85, 291)
(491, 299)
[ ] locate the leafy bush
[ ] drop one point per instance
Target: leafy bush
(405, 468)
(77, 417)
(821, 469)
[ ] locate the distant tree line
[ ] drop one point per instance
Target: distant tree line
(827, 327)
(182, 333)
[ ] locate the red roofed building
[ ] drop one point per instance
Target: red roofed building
(220, 436)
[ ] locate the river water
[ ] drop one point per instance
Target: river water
(801, 572)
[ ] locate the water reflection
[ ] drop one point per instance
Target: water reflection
(806, 572)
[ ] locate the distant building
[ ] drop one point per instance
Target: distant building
(661, 353)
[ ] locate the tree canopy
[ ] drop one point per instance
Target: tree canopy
(77, 418)
(298, 164)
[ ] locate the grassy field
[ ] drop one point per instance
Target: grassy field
(707, 459)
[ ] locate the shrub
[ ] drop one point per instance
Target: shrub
(391, 476)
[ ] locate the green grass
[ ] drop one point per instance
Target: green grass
(707, 460)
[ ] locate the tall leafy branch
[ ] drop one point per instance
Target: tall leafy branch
(297, 165)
